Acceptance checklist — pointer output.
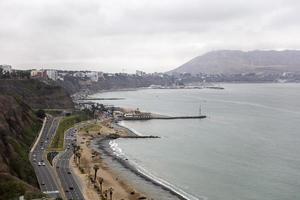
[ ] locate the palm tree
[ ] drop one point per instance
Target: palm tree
(96, 167)
(110, 193)
(100, 181)
(91, 178)
(74, 152)
(105, 194)
(78, 155)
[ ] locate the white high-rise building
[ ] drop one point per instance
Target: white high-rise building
(52, 74)
(93, 76)
(6, 69)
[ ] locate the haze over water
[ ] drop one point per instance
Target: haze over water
(247, 148)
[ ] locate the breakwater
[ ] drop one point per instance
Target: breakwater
(164, 117)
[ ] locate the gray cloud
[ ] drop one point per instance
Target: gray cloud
(152, 35)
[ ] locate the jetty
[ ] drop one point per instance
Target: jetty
(180, 117)
(102, 99)
(148, 116)
(164, 117)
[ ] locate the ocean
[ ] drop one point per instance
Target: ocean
(248, 147)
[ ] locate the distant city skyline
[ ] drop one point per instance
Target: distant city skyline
(152, 36)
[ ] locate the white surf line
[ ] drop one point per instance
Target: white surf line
(167, 184)
(154, 179)
(122, 124)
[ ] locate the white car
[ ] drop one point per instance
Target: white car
(39, 164)
(43, 164)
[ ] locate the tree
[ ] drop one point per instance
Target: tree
(111, 193)
(75, 152)
(40, 113)
(78, 155)
(100, 181)
(96, 168)
(105, 194)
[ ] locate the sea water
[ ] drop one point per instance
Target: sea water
(248, 147)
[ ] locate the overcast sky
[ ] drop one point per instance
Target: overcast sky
(125, 35)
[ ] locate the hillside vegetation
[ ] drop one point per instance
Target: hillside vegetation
(18, 129)
(65, 124)
(37, 94)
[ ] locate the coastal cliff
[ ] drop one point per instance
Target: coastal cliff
(18, 128)
(37, 94)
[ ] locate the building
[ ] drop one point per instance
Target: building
(52, 74)
(140, 73)
(137, 115)
(93, 76)
(6, 69)
(38, 73)
(79, 74)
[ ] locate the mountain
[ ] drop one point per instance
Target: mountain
(37, 94)
(19, 127)
(235, 62)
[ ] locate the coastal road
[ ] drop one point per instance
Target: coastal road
(42, 168)
(68, 182)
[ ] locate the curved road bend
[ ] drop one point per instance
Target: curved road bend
(45, 174)
(70, 187)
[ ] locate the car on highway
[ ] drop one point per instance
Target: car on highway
(71, 188)
(39, 164)
(69, 172)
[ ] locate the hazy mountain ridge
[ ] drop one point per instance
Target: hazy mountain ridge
(234, 62)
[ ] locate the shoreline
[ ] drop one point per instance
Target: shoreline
(89, 158)
(103, 144)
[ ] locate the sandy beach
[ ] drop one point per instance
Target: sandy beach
(89, 158)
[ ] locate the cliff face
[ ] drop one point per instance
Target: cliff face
(37, 94)
(18, 129)
(119, 81)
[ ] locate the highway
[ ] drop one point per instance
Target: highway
(70, 187)
(42, 168)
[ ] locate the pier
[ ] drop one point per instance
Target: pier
(152, 116)
(102, 99)
(180, 117)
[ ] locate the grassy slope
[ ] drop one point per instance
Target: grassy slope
(65, 124)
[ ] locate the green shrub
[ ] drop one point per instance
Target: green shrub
(65, 124)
